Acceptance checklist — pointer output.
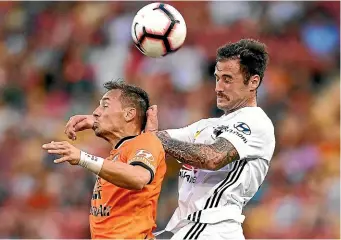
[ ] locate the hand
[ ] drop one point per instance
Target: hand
(78, 123)
(152, 124)
(69, 152)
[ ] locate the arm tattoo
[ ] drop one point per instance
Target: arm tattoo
(204, 156)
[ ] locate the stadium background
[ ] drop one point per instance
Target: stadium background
(54, 58)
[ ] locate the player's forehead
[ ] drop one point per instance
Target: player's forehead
(229, 66)
(111, 95)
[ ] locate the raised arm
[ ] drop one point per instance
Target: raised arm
(212, 157)
(125, 175)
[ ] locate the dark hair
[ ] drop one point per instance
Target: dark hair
(132, 96)
(252, 54)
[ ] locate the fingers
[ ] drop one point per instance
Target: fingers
(152, 110)
(70, 132)
(62, 159)
(70, 128)
(152, 121)
(54, 145)
(81, 126)
(60, 148)
(58, 151)
(153, 107)
(56, 148)
(74, 120)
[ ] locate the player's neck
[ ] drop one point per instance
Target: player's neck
(251, 102)
(127, 131)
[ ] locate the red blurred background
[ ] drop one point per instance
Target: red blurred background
(55, 57)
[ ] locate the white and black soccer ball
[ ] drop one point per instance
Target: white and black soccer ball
(158, 29)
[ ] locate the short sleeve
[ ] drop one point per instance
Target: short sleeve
(252, 137)
(185, 134)
(147, 152)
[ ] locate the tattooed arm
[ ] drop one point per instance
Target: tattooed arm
(204, 156)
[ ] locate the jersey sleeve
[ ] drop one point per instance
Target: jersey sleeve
(185, 134)
(146, 152)
(252, 137)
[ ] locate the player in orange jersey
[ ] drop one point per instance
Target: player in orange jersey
(128, 185)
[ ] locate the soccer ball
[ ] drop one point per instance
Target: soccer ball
(158, 29)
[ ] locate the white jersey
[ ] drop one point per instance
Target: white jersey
(214, 196)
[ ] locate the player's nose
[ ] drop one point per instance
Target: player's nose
(219, 87)
(96, 113)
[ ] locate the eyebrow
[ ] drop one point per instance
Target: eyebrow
(224, 75)
(104, 99)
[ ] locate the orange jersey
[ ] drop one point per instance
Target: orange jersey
(119, 213)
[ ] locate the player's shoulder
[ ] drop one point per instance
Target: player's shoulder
(256, 118)
(206, 122)
(147, 138)
(147, 135)
(254, 114)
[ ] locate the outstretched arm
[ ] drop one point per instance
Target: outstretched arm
(133, 177)
(205, 156)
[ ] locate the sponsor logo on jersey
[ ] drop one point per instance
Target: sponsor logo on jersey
(242, 127)
(187, 172)
(144, 157)
(221, 129)
(144, 154)
(96, 194)
(103, 211)
(187, 175)
(197, 134)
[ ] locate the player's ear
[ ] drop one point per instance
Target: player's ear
(254, 82)
(129, 114)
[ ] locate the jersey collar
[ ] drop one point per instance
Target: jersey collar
(122, 140)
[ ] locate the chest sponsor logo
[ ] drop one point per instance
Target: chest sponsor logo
(96, 194)
(100, 211)
(239, 132)
(242, 127)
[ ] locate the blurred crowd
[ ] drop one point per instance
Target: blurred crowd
(55, 57)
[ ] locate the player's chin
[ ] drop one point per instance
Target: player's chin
(98, 132)
(222, 104)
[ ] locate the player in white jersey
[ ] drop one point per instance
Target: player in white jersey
(211, 200)
(225, 159)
